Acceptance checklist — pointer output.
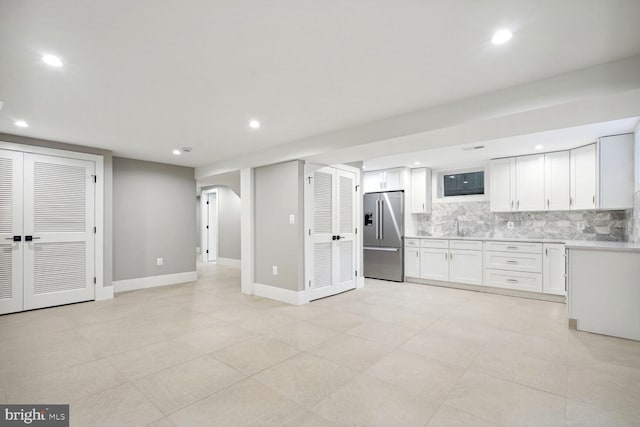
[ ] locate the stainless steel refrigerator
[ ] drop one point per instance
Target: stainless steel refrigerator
(382, 235)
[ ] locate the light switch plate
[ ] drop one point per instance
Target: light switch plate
(274, 270)
(159, 261)
(510, 225)
(580, 225)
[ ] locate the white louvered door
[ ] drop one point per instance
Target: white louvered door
(59, 216)
(11, 294)
(332, 246)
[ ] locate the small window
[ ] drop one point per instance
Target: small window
(463, 184)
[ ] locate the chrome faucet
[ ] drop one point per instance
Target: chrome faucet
(456, 223)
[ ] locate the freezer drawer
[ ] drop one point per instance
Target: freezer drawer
(383, 263)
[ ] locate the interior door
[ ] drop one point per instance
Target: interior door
(332, 235)
(58, 230)
(11, 295)
(212, 226)
(345, 222)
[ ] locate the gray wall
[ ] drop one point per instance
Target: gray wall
(279, 193)
(153, 217)
(228, 223)
(108, 187)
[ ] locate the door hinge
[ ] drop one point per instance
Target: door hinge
(95, 281)
(356, 230)
(309, 284)
(95, 178)
(95, 230)
(207, 250)
(207, 227)
(309, 232)
(356, 273)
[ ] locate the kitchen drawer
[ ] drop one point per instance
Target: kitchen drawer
(513, 261)
(470, 245)
(522, 247)
(412, 242)
(434, 243)
(531, 282)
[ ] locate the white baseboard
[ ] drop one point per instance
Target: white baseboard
(153, 281)
(279, 294)
(228, 261)
(360, 282)
(103, 293)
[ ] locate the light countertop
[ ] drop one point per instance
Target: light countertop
(570, 244)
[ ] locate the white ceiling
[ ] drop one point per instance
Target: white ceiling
(460, 156)
(144, 77)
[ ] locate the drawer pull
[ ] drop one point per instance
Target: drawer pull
(512, 261)
(512, 247)
(512, 281)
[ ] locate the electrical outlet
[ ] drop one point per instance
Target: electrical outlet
(159, 261)
(292, 219)
(580, 225)
(274, 270)
(510, 225)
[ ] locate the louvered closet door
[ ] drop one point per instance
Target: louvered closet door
(10, 226)
(333, 258)
(345, 265)
(322, 230)
(59, 214)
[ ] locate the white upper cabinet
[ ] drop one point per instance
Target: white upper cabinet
(384, 180)
(420, 190)
(530, 183)
(583, 177)
(616, 171)
(502, 185)
(557, 180)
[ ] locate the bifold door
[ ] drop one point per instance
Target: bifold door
(49, 259)
(332, 232)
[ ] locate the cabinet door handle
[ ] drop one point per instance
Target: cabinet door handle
(423, 206)
(594, 200)
(546, 251)
(548, 203)
(445, 255)
(512, 205)
(570, 201)
(518, 205)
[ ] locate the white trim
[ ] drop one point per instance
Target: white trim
(360, 282)
(229, 261)
(154, 281)
(100, 291)
(279, 294)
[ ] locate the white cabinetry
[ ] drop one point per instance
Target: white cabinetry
(513, 265)
(420, 190)
(502, 186)
(434, 259)
(557, 180)
(616, 171)
(530, 183)
(412, 258)
(583, 177)
(553, 268)
(384, 180)
(517, 184)
(465, 261)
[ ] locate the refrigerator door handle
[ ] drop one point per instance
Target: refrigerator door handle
(377, 219)
(375, 248)
(381, 219)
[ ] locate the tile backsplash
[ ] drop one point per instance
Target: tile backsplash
(476, 220)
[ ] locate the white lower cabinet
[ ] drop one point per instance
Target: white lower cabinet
(554, 274)
(518, 280)
(411, 261)
(465, 266)
(434, 264)
(523, 266)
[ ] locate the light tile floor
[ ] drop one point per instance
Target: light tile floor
(203, 354)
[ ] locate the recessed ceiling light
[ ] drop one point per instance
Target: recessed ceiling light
(465, 182)
(21, 124)
(416, 163)
(176, 152)
(52, 60)
(452, 176)
(501, 36)
(254, 124)
(538, 147)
